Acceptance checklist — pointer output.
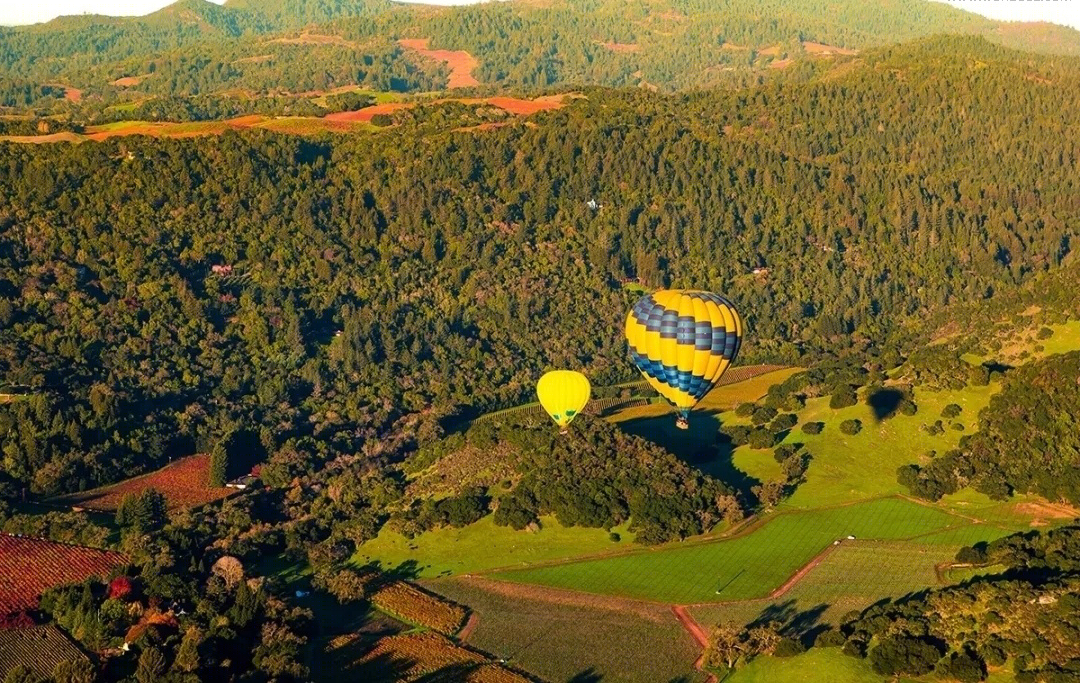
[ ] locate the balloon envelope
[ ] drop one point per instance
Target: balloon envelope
(683, 341)
(563, 394)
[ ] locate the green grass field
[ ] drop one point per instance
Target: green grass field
(559, 642)
(827, 665)
(846, 468)
(484, 545)
(853, 577)
(819, 665)
(743, 567)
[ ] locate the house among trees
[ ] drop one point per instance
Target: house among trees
(242, 483)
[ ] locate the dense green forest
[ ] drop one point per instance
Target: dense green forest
(330, 287)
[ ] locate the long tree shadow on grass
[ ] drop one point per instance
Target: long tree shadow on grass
(587, 676)
(804, 625)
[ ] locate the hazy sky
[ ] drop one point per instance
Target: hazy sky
(30, 11)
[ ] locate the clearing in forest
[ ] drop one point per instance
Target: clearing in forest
(461, 63)
(823, 49)
(185, 483)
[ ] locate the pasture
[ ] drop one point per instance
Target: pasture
(854, 467)
(743, 567)
(819, 665)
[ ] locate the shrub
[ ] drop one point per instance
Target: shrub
(908, 407)
(737, 435)
(785, 451)
(830, 638)
(614, 537)
(992, 654)
(851, 427)
(904, 655)
(972, 555)
(788, 647)
(761, 438)
(120, 588)
(763, 415)
(957, 427)
(979, 376)
(745, 409)
(1044, 333)
(813, 427)
(855, 647)
(784, 422)
(843, 397)
(963, 666)
(793, 402)
(950, 411)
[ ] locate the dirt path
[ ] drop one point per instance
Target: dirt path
(697, 633)
(470, 626)
(797, 576)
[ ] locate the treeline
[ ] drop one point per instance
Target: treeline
(198, 47)
(1025, 618)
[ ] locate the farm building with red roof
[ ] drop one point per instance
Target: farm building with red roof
(29, 566)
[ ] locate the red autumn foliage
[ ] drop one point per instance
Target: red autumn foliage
(120, 588)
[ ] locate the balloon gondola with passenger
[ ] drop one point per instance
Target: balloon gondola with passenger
(683, 341)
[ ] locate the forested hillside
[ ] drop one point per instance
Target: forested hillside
(158, 293)
(195, 47)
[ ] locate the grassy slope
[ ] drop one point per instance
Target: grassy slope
(826, 665)
(846, 468)
(483, 545)
(816, 666)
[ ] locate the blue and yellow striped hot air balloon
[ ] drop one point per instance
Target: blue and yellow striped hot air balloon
(683, 341)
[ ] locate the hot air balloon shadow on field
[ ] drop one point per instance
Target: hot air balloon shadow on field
(563, 394)
(683, 341)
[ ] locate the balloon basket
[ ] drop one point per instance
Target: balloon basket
(682, 423)
(564, 430)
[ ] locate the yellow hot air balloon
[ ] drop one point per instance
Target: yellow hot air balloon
(563, 394)
(683, 341)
